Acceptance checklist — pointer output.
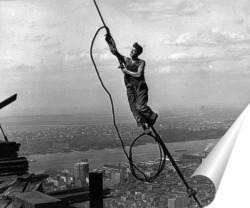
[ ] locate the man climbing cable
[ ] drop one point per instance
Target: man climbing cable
(137, 89)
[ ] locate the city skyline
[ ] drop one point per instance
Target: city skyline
(196, 52)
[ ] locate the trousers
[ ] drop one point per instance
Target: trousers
(138, 99)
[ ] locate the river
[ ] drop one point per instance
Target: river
(110, 156)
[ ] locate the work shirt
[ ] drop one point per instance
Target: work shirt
(136, 82)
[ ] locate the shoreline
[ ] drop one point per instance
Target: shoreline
(113, 156)
(114, 147)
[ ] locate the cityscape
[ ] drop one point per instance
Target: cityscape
(76, 70)
(67, 138)
(167, 190)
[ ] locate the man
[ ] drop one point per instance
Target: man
(137, 90)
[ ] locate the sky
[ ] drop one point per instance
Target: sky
(197, 54)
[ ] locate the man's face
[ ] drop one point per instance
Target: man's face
(133, 52)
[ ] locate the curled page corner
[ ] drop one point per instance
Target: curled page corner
(227, 165)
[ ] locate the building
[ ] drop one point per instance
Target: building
(65, 174)
(116, 178)
(81, 172)
(180, 202)
(113, 175)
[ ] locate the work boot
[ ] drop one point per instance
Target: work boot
(146, 129)
(152, 120)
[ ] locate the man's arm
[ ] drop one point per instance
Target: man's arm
(113, 49)
(139, 71)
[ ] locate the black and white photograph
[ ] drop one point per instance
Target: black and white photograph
(124, 103)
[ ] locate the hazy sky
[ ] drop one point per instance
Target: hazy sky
(197, 53)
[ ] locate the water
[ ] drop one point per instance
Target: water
(96, 157)
(111, 156)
